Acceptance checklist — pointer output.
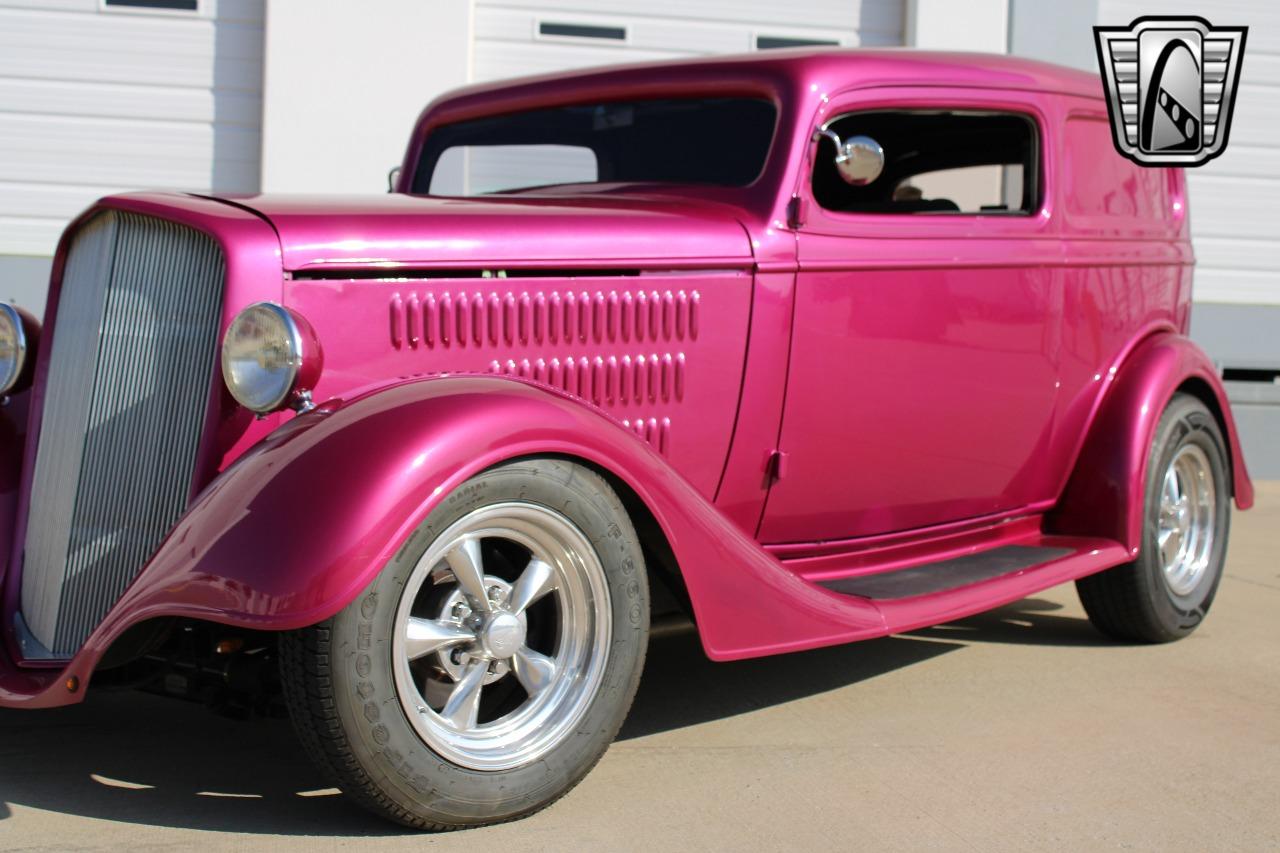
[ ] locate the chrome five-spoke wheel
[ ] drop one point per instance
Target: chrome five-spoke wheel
(498, 643)
(1185, 527)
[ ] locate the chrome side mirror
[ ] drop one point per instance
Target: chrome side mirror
(859, 159)
(393, 177)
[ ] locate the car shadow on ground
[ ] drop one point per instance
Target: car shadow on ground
(681, 687)
(1031, 622)
(136, 758)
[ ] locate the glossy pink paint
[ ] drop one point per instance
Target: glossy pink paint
(679, 337)
(424, 233)
(660, 352)
(1104, 495)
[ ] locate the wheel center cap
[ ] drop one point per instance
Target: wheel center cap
(502, 635)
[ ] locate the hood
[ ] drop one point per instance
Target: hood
(401, 230)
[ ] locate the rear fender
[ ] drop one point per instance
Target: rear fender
(299, 526)
(1106, 492)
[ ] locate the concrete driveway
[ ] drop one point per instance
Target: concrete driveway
(1019, 729)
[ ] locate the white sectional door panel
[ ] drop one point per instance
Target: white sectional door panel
(95, 100)
(515, 38)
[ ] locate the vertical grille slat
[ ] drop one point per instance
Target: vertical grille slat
(134, 346)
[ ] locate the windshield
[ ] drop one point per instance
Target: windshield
(710, 141)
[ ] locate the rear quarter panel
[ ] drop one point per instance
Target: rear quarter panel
(1127, 304)
(1128, 263)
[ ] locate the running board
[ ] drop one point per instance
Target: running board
(947, 574)
(931, 593)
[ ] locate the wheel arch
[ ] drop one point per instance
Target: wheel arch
(1105, 493)
(660, 559)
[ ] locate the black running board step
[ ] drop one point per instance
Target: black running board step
(947, 574)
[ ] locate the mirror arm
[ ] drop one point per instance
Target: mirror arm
(829, 134)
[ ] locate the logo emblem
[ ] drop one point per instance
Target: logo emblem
(1171, 84)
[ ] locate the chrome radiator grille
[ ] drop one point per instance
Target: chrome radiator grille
(134, 347)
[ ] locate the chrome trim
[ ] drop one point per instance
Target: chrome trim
(302, 402)
(20, 332)
(829, 134)
(852, 154)
(124, 403)
(1187, 522)
(297, 359)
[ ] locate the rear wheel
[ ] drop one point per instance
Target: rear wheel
(490, 664)
(1165, 594)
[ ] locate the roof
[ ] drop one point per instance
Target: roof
(826, 68)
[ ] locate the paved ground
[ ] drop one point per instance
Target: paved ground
(1016, 730)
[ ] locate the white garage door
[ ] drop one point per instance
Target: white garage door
(97, 97)
(515, 38)
(1235, 217)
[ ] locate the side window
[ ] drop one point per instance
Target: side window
(1099, 182)
(936, 162)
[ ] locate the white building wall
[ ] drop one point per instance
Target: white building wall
(94, 101)
(978, 25)
(509, 41)
(344, 83)
(1060, 32)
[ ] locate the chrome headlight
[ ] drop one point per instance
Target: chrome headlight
(270, 358)
(14, 347)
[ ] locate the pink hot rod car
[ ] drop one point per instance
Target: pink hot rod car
(817, 346)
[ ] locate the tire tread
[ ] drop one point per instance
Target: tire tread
(308, 689)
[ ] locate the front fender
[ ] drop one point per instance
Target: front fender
(299, 526)
(1106, 492)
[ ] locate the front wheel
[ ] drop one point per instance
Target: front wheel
(1165, 593)
(490, 664)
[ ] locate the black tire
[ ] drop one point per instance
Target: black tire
(339, 676)
(1135, 602)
